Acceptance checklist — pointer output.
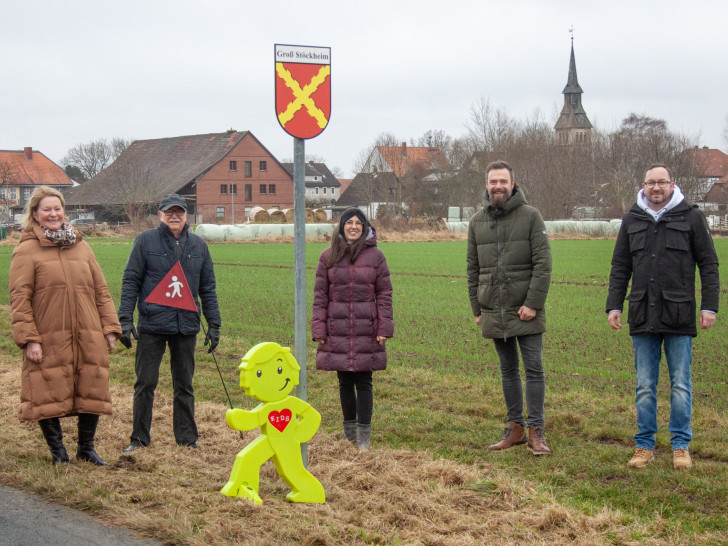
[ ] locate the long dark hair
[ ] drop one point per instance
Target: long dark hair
(339, 245)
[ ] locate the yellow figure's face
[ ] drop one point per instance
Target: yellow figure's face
(271, 380)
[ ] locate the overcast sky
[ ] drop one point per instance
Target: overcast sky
(76, 71)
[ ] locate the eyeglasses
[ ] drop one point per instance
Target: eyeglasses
(178, 212)
(661, 184)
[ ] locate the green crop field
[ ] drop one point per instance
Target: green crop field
(441, 392)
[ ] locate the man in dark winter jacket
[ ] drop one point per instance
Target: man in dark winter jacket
(509, 273)
(661, 239)
(152, 257)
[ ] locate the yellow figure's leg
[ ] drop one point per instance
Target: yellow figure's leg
(245, 475)
(304, 486)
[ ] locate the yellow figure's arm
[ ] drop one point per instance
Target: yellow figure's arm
(240, 419)
(308, 423)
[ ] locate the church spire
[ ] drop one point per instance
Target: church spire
(572, 83)
(573, 126)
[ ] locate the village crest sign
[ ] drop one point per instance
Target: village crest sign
(303, 89)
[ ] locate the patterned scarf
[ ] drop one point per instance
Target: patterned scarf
(63, 237)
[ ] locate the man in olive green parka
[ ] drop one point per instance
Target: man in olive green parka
(509, 272)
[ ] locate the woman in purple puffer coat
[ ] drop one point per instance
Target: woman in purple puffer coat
(352, 318)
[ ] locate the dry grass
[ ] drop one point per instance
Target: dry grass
(383, 496)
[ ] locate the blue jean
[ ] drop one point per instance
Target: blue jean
(531, 348)
(647, 354)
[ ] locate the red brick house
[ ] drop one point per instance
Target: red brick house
(221, 175)
(21, 171)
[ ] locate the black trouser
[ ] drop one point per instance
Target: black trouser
(356, 405)
(149, 353)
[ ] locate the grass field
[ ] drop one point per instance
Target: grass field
(441, 392)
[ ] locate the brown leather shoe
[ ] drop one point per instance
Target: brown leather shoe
(514, 434)
(537, 441)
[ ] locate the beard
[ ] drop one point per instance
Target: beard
(498, 200)
(659, 198)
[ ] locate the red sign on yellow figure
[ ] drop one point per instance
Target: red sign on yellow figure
(303, 89)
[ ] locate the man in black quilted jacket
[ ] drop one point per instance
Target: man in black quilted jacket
(661, 240)
(152, 257)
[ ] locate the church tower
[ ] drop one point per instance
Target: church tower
(573, 127)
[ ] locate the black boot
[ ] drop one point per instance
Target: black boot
(53, 434)
(86, 431)
(350, 431)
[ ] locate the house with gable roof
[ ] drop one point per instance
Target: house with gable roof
(396, 176)
(404, 160)
(21, 171)
(710, 167)
(369, 191)
(222, 176)
(320, 183)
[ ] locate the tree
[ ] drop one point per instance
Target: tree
(6, 175)
(131, 186)
(489, 129)
(93, 157)
(436, 138)
(74, 173)
(623, 155)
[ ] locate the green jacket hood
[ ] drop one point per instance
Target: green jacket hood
(515, 200)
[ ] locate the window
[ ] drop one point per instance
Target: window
(26, 193)
(233, 165)
(13, 193)
(333, 191)
(248, 192)
(2, 193)
(317, 191)
(262, 189)
(221, 212)
(272, 189)
(223, 188)
(248, 169)
(324, 191)
(263, 166)
(234, 189)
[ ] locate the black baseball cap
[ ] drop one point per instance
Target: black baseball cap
(172, 200)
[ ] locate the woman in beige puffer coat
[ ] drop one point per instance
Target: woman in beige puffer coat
(64, 320)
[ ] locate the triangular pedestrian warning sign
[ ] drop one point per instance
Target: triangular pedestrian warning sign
(173, 291)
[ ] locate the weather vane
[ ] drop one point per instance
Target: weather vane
(571, 32)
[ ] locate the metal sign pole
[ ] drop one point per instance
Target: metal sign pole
(299, 245)
(303, 108)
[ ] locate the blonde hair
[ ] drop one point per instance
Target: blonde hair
(34, 202)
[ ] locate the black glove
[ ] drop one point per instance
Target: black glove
(212, 338)
(127, 330)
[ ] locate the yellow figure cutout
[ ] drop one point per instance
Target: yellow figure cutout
(269, 372)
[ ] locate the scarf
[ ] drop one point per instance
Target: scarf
(62, 237)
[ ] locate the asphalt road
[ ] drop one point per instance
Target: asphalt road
(27, 519)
